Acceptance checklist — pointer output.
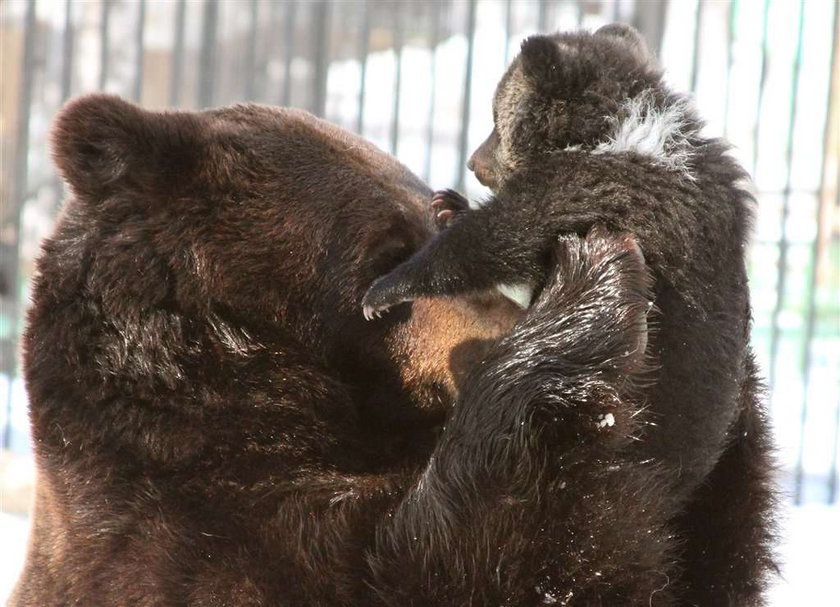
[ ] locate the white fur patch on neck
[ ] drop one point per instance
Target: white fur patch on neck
(520, 293)
(655, 132)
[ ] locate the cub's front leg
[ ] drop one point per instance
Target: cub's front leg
(532, 496)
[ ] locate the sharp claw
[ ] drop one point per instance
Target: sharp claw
(370, 313)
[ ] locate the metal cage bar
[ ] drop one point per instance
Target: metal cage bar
(139, 37)
(463, 141)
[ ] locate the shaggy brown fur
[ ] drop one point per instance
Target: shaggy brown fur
(216, 423)
(586, 132)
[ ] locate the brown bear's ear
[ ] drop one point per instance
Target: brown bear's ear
(631, 39)
(540, 58)
(555, 67)
(102, 144)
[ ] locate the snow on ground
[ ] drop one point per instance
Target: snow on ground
(811, 551)
(810, 554)
(13, 533)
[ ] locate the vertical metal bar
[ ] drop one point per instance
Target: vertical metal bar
(251, 54)
(649, 19)
(731, 21)
(542, 16)
(508, 23)
(463, 140)
(433, 51)
(273, 22)
(579, 9)
(695, 51)
(66, 77)
(364, 47)
(288, 51)
(141, 25)
(832, 479)
(321, 53)
(783, 244)
(397, 43)
(103, 43)
(831, 114)
(67, 50)
(178, 53)
(781, 281)
(614, 12)
(11, 308)
(762, 83)
(207, 62)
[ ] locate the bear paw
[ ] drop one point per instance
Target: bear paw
(602, 280)
(446, 204)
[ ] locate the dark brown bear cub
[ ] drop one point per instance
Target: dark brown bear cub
(216, 423)
(587, 132)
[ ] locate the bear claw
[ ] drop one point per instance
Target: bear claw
(446, 204)
(370, 312)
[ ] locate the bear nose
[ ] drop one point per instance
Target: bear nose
(471, 163)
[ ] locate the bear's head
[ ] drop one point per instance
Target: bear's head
(568, 91)
(199, 243)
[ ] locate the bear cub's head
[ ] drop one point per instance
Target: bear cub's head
(568, 91)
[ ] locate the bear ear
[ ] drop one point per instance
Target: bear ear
(631, 39)
(554, 66)
(540, 58)
(102, 145)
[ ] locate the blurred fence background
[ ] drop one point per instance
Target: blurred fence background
(417, 79)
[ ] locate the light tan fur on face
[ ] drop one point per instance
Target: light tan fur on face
(496, 158)
(512, 90)
(446, 337)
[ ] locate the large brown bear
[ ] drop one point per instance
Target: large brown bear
(217, 424)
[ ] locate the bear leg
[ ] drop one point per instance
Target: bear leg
(728, 524)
